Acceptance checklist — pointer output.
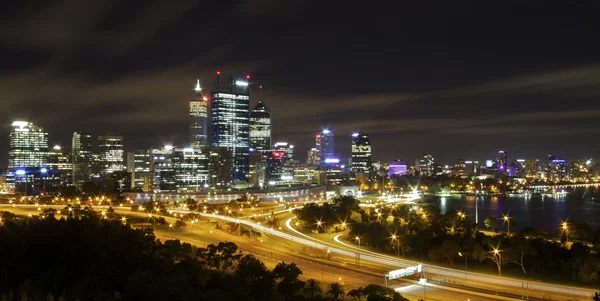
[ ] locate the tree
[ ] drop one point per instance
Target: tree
(312, 288)
(449, 250)
(596, 296)
(336, 290)
(356, 294)
(289, 284)
(520, 247)
(180, 224)
(491, 223)
(255, 275)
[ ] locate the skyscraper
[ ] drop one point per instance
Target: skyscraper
(425, 166)
(285, 147)
(111, 153)
(198, 118)
(61, 162)
(230, 122)
(317, 153)
(28, 145)
(325, 145)
(361, 153)
(138, 165)
(313, 156)
(260, 128)
(82, 158)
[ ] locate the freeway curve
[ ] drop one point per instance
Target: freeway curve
(400, 263)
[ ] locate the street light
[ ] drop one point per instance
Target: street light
(357, 238)
(461, 254)
(499, 261)
(506, 219)
(394, 237)
(566, 229)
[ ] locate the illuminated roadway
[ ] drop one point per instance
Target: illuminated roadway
(390, 261)
(394, 262)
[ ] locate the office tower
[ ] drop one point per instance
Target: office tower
(230, 122)
(163, 174)
(502, 162)
(325, 145)
(286, 148)
(138, 165)
(81, 157)
(313, 156)
(318, 147)
(397, 168)
(28, 145)
(220, 162)
(111, 153)
(361, 153)
(191, 169)
(275, 162)
(425, 166)
(260, 128)
(198, 118)
(258, 166)
(61, 162)
(557, 169)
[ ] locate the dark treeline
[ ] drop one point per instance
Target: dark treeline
(426, 234)
(91, 258)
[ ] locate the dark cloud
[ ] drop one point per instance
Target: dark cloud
(452, 79)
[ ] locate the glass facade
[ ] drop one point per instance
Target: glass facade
(28, 146)
(326, 145)
(111, 153)
(361, 153)
(260, 128)
(198, 120)
(82, 158)
(231, 127)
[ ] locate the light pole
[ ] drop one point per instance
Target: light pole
(499, 261)
(506, 219)
(461, 254)
(566, 229)
(394, 237)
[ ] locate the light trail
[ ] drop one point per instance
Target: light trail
(396, 262)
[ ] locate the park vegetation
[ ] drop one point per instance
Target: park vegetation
(424, 234)
(85, 255)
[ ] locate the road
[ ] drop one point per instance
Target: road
(296, 247)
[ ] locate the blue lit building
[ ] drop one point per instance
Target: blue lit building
(325, 144)
(230, 122)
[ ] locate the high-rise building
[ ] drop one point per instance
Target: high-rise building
(28, 145)
(191, 169)
(81, 157)
(425, 166)
(260, 128)
(220, 164)
(61, 162)
(162, 169)
(275, 162)
(502, 162)
(361, 153)
(317, 148)
(198, 118)
(285, 147)
(325, 145)
(111, 153)
(230, 122)
(313, 156)
(138, 166)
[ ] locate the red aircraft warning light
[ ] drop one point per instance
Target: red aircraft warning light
(218, 72)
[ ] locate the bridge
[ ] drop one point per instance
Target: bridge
(573, 185)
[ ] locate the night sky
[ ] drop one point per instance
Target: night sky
(455, 79)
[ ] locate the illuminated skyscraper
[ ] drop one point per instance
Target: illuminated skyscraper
(111, 153)
(60, 161)
(28, 145)
(198, 118)
(425, 166)
(361, 153)
(325, 145)
(260, 128)
(285, 147)
(82, 158)
(230, 122)
(312, 156)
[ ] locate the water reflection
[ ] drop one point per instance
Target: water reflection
(537, 211)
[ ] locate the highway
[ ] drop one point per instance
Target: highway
(372, 265)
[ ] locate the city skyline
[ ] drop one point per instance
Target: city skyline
(467, 82)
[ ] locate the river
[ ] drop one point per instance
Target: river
(540, 212)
